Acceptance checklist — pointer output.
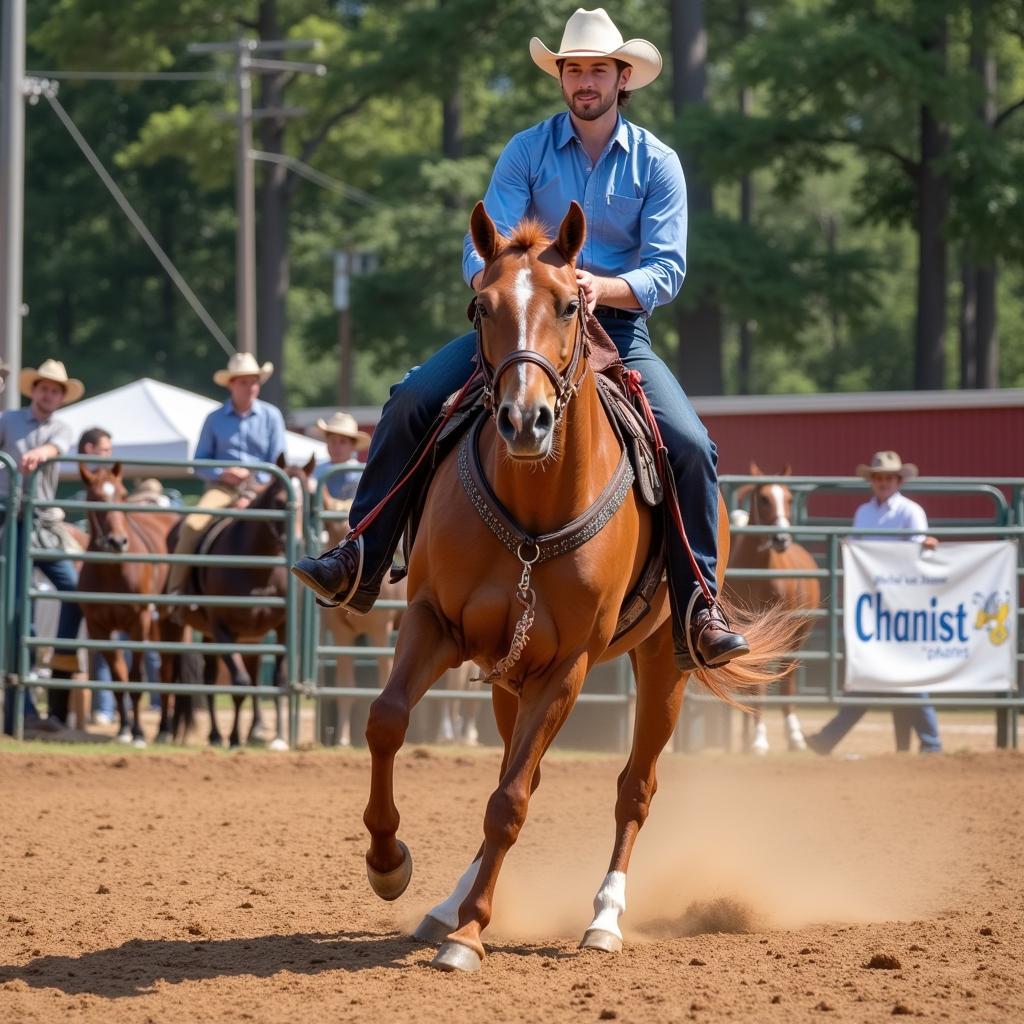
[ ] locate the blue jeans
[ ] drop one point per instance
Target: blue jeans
(64, 578)
(417, 399)
(923, 720)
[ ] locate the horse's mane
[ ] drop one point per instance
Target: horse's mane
(529, 234)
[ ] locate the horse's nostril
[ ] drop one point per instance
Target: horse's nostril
(505, 426)
(543, 422)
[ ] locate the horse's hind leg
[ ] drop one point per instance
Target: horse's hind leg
(423, 652)
(440, 921)
(759, 744)
(659, 698)
(119, 673)
(794, 733)
(543, 707)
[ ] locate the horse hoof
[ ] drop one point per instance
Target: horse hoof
(139, 743)
(389, 885)
(124, 737)
(164, 738)
(797, 743)
(759, 751)
(277, 744)
(431, 931)
(454, 956)
(601, 938)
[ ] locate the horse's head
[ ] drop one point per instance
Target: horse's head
(529, 321)
(275, 496)
(772, 505)
(108, 529)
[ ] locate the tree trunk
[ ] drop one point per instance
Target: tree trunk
(273, 199)
(700, 327)
(968, 321)
(932, 209)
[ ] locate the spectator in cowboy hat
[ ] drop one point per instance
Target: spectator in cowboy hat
(243, 430)
(33, 436)
(888, 509)
(344, 440)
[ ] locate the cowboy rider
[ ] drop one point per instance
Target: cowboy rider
(631, 188)
(244, 430)
(344, 440)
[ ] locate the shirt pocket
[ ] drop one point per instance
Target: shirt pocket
(622, 221)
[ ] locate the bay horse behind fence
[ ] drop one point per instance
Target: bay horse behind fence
(771, 504)
(121, 532)
(537, 617)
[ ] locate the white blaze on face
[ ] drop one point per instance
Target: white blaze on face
(523, 294)
(778, 498)
(109, 490)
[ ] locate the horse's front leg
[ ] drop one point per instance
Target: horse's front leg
(659, 699)
(794, 733)
(424, 650)
(139, 632)
(280, 740)
(440, 921)
(119, 674)
(544, 705)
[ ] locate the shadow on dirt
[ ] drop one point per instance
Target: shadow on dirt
(140, 966)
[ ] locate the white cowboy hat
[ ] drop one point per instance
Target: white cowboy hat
(54, 371)
(345, 425)
(593, 34)
(887, 462)
(243, 364)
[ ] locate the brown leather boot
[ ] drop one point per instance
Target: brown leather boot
(711, 638)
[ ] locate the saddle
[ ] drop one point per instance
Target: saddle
(637, 467)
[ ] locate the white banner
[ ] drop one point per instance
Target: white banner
(930, 621)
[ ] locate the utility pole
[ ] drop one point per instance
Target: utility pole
(12, 190)
(247, 63)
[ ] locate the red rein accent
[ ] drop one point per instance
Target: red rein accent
(427, 450)
(633, 385)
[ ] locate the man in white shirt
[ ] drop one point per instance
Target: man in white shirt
(887, 510)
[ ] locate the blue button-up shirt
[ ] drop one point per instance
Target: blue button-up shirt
(256, 436)
(634, 199)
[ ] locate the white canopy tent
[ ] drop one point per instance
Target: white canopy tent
(150, 420)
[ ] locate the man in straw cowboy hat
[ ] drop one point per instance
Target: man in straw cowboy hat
(243, 430)
(887, 509)
(630, 186)
(32, 436)
(344, 440)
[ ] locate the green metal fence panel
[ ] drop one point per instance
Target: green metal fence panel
(20, 593)
(8, 555)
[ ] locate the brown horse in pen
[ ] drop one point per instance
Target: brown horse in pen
(547, 456)
(249, 623)
(123, 533)
(771, 504)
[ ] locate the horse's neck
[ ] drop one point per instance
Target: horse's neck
(752, 550)
(543, 499)
(254, 536)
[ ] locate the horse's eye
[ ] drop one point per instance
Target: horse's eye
(482, 311)
(572, 308)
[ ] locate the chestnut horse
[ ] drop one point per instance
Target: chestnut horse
(547, 454)
(123, 533)
(771, 504)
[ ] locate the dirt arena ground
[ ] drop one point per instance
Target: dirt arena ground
(155, 887)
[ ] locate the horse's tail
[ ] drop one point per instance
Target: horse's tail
(773, 635)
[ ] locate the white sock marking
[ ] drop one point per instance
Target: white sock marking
(610, 903)
(447, 911)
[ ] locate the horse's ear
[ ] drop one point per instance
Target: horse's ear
(85, 473)
(116, 470)
(571, 233)
(309, 466)
(744, 492)
(280, 462)
(755, 469)
(788, 471)
(486, 239)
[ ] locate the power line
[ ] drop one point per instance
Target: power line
(303, 170)
(50, 94)
(132, 76)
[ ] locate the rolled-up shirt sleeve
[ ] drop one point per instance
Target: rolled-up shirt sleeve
(63, 439)
(663, 224)
(506, 200)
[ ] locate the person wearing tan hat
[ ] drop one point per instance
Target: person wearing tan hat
(888, 509)
(243, 430)
(630, 187)
(344, 440)
(34, 436)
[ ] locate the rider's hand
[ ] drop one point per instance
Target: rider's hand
(588, 283)
(234, 476)
(243, 502)
(930, 543)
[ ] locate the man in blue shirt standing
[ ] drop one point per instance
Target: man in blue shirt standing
(631, 188)
(243, 429)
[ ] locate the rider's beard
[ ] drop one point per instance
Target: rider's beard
(593, 109)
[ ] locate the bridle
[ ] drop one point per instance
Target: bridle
(565, 383)
(100, 537)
